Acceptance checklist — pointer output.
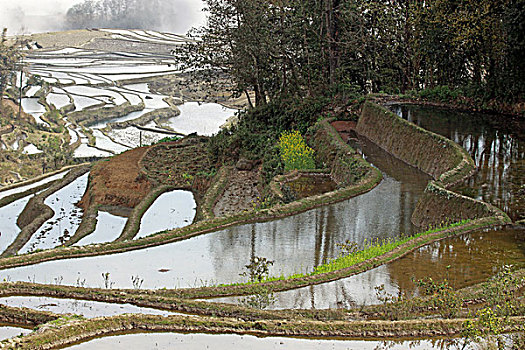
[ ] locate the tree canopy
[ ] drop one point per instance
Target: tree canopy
(283, 48)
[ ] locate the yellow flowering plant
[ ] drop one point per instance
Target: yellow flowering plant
(295, 153)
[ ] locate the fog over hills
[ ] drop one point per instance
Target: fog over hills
(33, 16)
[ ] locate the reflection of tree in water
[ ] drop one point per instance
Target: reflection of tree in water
(463, 260)
(498, 149)
(299, 242)
(295, 244)
(345, 293)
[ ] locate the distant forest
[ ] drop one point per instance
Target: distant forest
(290, 48)
(126, 14)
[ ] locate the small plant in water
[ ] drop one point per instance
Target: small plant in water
(58, 280)
(107, 283)
(261, 299)
(137, 282)
(443, 297)
(81, 282)
(258, 270)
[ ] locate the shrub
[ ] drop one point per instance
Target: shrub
(295, 153)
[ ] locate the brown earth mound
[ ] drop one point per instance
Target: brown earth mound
(118, 181)
(125, 180)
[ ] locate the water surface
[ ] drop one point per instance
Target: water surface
(464, 261)
(88, 309)
(202, 118)
(171, 210)
(161, 341)
(109, 227)
(8, 217)
(7, 332)
(20, 189)
(495, 142)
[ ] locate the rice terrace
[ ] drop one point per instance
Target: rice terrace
(262, 175)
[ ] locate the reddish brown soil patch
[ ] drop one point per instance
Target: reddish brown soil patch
(345, 128)
(118, 182)
(125, 180)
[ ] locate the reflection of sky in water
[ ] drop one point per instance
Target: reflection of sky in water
(109, 227)
(67, 216)
(165, 341)
(132, 136)
(86, 308)
(7, 332)
(171, 210)
(33, 185)
(202, 118)
(105, 143)
(8, 216)
(82, 102)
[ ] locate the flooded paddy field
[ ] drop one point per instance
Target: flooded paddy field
(463, 261)
(93, 81)
(67, 217)
(109, 227)
(7, 332)
(171, 210)
(88, 309)
(8, 217)
(231, 341)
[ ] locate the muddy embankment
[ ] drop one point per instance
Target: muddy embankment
(435, 155)
(82, 330)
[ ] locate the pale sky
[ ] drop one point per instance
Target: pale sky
(31, 16)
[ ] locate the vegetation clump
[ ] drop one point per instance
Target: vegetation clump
(295, 153)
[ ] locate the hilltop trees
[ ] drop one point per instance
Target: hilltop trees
(284, 48)
(129, 14)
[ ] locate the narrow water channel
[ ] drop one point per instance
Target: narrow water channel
(497, 145)
(24, 188)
